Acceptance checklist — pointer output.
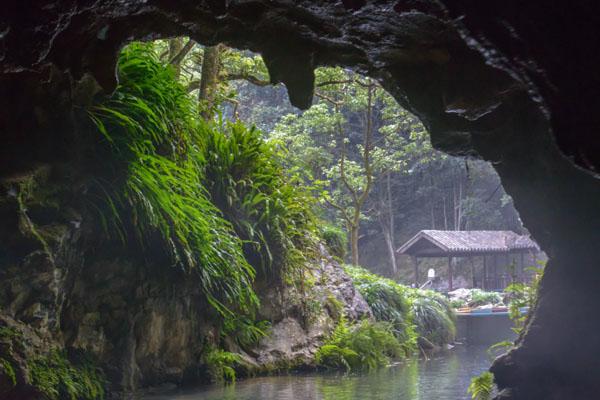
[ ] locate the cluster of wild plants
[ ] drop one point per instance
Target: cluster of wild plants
(269, 208)
(158, 193)
(214, 196)
(418, 316)
(477, 297)
(433, 316)
(58, 378)
(389, 302)
(221, 365)
(522, 295)
(335, 239)
(366, 345)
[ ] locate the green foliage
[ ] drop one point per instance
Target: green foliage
(220, 364)
(482, 386)
(151, 128)
(389, 303)
(267, 207)
(480, 297)
(522, 295)
(7, 370)
(366, 345)
(335, 307)
(58, 379)
(244, 330)
(335, 239)
(335, 357)
(433, 316)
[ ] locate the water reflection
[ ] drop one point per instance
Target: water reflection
(446, 376)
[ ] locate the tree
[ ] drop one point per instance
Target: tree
(348, 113)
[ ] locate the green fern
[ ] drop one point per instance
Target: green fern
(269, 209)
(389, 302)
(482, 386)
(363, 346)
(220, 364)
(152, 183)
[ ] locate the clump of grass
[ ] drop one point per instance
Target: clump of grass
(363, 346)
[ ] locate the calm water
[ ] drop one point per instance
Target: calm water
(445, 376)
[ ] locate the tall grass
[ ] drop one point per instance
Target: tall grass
(152, 182)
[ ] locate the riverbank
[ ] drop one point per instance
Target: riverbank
(444, 376)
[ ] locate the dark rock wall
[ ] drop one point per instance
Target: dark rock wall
(514, 83)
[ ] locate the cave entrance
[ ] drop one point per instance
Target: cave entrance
(509, 84)
(378, 180)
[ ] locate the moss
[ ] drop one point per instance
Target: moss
(334, 306)
(58, 378)
(8, 371)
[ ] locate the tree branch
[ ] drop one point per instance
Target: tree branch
(246, 77)
(178, 58)
(334, 82)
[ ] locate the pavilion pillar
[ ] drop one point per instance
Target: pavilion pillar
(522, 268)
(450, 286)
(485, 273)
(416, 266)
(473, 280)
(495, 272)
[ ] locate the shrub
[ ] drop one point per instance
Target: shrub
(389, 302)
(244, 330)
(58, 378)
(366, 345)
(267, 207)
(220, 365)
(480, 297)
(433, 316)
(335, 239)
(521, 295)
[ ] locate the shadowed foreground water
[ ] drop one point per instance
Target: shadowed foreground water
(445, 376)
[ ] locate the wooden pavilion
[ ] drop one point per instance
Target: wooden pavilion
(470, 244)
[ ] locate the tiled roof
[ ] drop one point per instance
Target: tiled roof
(449, 242)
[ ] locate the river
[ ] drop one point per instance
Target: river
(444, 376)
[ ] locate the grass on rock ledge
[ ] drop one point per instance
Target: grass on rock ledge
(405, 319)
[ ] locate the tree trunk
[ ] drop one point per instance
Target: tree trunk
(175, 46)
(354, 243)
(390, 240)
(209, 81)
(445, 216)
